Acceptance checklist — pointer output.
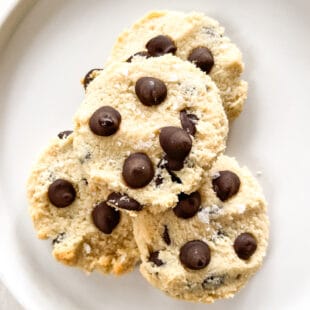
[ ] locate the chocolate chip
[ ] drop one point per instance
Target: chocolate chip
(60, 237)
(150, 91)
(245, 245)
(160, 45)
(90, 75)
(163, 164)
(188, 122)
(138, 170)
(173, 164)
(105, 121)
(188, 205)
(226, 185)
(166, 236)
(105, 217)
(202, 58)
(154, 258)
(61, 193)
(176, 142)
(64, 134)
(124, 202)
(195, 255)
(142, 54)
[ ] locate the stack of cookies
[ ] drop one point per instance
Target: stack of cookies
(142, 177)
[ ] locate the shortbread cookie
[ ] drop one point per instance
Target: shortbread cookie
(147, 130)
(84, 230)
(190, 36)
(212, 242)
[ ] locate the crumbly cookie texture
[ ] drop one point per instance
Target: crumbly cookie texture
(148, 129)
(57, 176)
(212, 253)
(189, 31)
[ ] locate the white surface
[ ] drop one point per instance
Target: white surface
(7, 301)
(56, 43)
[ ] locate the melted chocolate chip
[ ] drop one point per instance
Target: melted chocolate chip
(64, 134)
(226, 185)
(176, 142)
(150, 91)
(60, 237)
(159, 180)
(138, 170)
(188, 205)
(166, 235)
(142, 54)
(213, 281)
(105, 121)
(188, 122)
(124, 202)
(174, 177)
(195, 255)
(202, 58)
(105, 217)
(90, 75)
(245, 245)
(160, 45)
(154, 258)
(87, 156)
(61, 193)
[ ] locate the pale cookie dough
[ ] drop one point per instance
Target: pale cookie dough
(75, 238)
(133, 112)
(189, 31)
(209, 269)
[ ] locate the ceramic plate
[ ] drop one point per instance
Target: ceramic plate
(56, 42)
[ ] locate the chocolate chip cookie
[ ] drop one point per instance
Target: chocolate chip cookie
(209, 245)
(147, 129)
(85, 231)
(193, 37)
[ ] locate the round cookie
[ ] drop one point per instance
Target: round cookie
(148, 129)
(194, 37)
(85, 232)
(212, 242)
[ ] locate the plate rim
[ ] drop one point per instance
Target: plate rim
(13, 13)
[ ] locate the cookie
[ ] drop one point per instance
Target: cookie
(193, 37)
(209, 245)
(84, 230)
(147, 130)
(90, 76)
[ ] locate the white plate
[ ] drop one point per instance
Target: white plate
(56, 43)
